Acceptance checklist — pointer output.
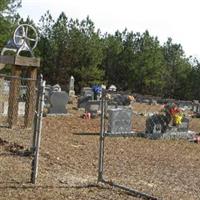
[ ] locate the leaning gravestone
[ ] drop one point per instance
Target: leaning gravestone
(120, 121)
(58, 101)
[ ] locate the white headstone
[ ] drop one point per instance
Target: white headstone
(71, 86)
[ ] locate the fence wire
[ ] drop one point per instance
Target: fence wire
(17, 101)
(17, 118)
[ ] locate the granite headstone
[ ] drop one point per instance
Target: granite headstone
(120, 121)
(58, 101)
(93, 107)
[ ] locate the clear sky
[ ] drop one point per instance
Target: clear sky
(178, 19)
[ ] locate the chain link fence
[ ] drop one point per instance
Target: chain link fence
(17, 101)
(19, 125)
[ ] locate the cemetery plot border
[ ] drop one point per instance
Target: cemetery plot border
(113, 131)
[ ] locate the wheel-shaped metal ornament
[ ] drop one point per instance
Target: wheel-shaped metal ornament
(25, 38)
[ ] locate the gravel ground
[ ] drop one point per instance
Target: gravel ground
(68, 168)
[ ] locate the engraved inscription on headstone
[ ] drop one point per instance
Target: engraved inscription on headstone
(120, 121)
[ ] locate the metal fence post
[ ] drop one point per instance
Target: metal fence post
(38, 132)
(101, 140)
(103, 134)
(36, 115)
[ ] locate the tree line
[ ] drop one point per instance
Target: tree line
(133, 61)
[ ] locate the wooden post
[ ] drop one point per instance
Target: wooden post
(32, 64)
(13, 97)
(31, 97)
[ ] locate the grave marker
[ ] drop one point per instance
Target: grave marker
(86, 95)
(93, 107)
(58, 102)
(87, 91)
(71, 86)
(120, 121)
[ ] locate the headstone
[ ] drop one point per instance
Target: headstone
(198, 109)
(23, 93)
(196, 101)
(21, 108)
(195, 107)
(4, 94)
(153, 102)
(1, 94)
(119, 121)
(93, 107)
(6, 87)
(112, 88)
(56, 88)
(71, 87)
(120, 99)
(48, 89)
(156, 124)
(156, 128)
(87, 91)
(5, 108)
(83, 100)
(58, 102)
(103, 87)
(184, 126)
(47, 93)
(86, 95)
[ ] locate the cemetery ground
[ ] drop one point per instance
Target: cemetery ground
(68, 167)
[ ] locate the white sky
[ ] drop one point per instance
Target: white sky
(178, 19)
